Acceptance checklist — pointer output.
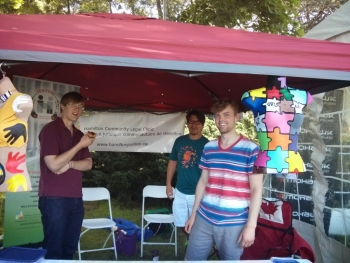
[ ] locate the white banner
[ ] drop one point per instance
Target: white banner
(133, 132)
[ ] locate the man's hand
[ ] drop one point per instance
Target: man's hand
(247, 237)
(189, 223)
(63, 169)
(85, 141)
(169, 192)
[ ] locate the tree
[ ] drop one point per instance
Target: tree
(312, 12)
(273, 16)
(126, 174)
(244, 126)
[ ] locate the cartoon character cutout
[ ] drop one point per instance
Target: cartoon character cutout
(278, 118)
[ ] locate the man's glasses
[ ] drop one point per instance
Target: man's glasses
(194, 123)
(76, 106)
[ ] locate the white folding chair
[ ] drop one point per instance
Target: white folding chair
(156, 191)
(98, 194)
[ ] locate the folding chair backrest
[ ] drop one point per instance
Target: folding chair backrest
(95, 194)
(155, 191)
(97, 221)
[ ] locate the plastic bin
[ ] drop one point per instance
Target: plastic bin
(20, 254)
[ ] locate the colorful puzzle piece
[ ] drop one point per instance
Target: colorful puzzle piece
(299, 96)
(262, 159)
(258, 93)
(286, 94)
(293, 146)
(309, 98)
(273, 120)
(298, 107)
(259, 125)
(257, 105)
(296, 123)
(264, 140)
(272, 105)
(277, 159)
(274, 171)
(273, 93)
(295, 162)
(286, 106)
(245, 95)
(278, 140)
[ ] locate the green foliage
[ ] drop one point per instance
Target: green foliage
(94, 6)
(272, 16)
(126, 174)
(246, 127)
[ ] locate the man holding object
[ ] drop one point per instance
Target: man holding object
(64, 154)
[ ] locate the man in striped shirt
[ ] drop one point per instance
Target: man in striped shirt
(228, 193)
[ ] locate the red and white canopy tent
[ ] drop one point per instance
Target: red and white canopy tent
(124, 62)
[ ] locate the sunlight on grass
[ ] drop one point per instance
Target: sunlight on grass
(132, 212)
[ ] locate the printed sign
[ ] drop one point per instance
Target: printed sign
(133, 132)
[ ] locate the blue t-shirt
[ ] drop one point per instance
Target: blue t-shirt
(187, 153)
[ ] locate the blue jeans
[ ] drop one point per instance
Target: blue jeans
(62, 218)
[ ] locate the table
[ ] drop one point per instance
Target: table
(234, 261)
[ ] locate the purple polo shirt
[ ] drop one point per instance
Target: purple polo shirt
(56, 139)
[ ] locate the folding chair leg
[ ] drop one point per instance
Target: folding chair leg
(215, 252)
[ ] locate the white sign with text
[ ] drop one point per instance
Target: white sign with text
(133, 132)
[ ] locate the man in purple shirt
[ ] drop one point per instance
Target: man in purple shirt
(64, 154)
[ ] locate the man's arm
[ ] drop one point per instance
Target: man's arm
(57, 162)
(82, 165)
(247, 235)
(202, 183)
(169, 177)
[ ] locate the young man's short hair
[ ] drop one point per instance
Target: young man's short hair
(221, 104)
(73, 96)
(198, 114)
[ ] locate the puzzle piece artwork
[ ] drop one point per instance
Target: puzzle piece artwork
(260, 108)
(286, 106)
(275, 119)
(278, 139)
(264, 140)
(296, 164)
(259, 124)
(272, 105)
(278, 118)
(257, 93)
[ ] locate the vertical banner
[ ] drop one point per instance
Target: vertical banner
(22, 220)
(330, 128)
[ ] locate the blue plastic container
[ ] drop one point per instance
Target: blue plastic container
(20, 254)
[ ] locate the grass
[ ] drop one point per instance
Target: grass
(129, 211)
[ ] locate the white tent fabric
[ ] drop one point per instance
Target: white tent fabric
(335, 28)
